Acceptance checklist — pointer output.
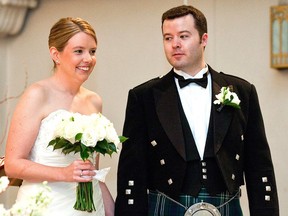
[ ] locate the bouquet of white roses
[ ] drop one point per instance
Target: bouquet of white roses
(86, 134)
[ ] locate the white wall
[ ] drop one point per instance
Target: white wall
(3, 93)
(130, 52)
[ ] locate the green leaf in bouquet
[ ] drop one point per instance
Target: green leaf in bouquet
(69, 148)
(103, 144)
(122, 139)
(101, 147)
(90, 150)
(77, 147)
(112, 148)
(84, 152)
(52, 142)
(78, 137)
(60, 144)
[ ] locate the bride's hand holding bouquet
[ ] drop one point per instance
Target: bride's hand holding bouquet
(87, 135)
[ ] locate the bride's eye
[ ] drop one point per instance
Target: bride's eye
(78, 51)
(93, 52)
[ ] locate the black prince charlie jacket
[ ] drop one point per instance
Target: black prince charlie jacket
(154, 156)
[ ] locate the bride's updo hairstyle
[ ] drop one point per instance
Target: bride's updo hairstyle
(65, 29)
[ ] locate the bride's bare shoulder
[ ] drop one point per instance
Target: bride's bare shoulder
(37, 90)
(94, 97)
(33, 101)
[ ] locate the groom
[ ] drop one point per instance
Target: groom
(185, 150)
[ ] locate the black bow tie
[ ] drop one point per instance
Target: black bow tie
(184, 82)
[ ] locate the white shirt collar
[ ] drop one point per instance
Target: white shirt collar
(187, 76)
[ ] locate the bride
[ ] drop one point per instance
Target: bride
(72, 45)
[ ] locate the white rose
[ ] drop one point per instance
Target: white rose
(89, 137)
(95, 116)
(100, 131)
(71, 130)
(102, 120)
(59, 130)
(68, 128)
(111, 135)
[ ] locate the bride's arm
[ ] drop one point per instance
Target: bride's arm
(24, 128)
(107, 199)
(106, 195)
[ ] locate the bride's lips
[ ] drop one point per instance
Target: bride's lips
(84, 68)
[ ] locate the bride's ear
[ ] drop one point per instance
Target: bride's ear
(54, 53)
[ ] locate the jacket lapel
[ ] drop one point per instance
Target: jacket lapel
(221, 119)
(167, 108)
(166, 101)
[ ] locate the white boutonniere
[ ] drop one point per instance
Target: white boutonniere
(227, 97)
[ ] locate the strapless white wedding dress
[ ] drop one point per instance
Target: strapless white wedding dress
(63, 193)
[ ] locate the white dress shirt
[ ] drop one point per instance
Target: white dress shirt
(196, 102)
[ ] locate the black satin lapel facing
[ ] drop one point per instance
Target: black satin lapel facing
(222, 119)
(169, 117)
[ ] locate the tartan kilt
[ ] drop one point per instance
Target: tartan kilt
(160, 205)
